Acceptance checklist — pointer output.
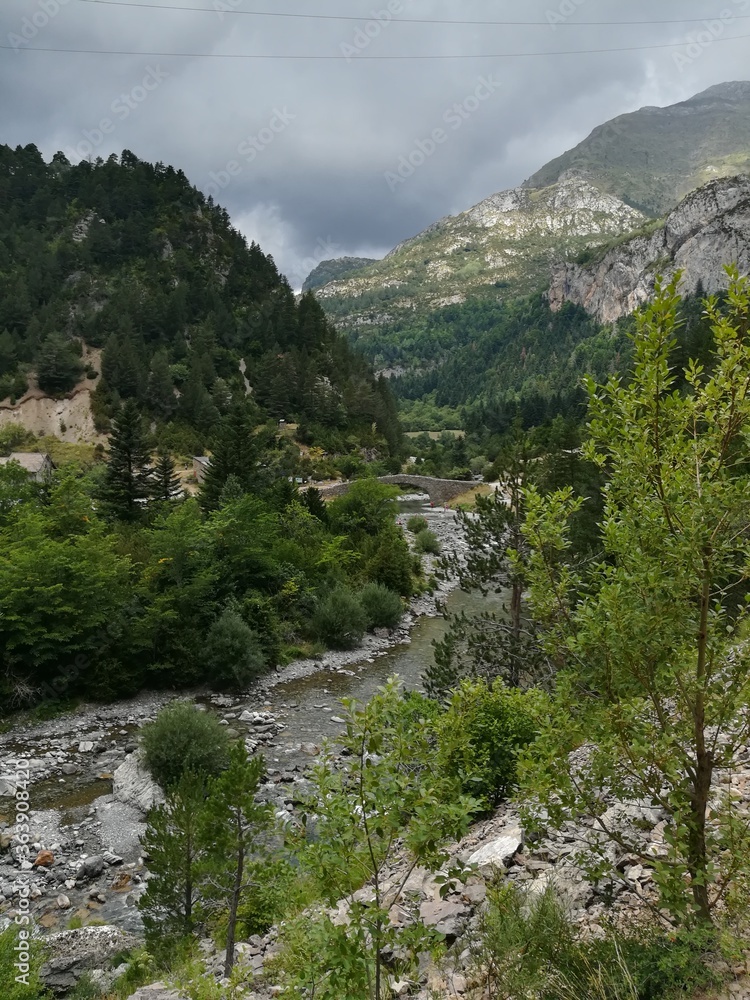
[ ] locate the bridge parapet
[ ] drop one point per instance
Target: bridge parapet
(439, 491)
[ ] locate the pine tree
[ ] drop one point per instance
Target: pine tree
(165, 483)
(161, 397)
(58, 369)
(234, 820)
(126, 481)
(237, 453)
(175, 850)
(8, 353)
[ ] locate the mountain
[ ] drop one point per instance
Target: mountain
(653, 157)
(119, 280)
(620, 180)
(527, 356)
(709, 229)
(331, 270)
(506, 243)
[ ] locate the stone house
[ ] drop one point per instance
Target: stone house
(38, 465)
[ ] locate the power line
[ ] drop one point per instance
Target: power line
(401, 20)
(360, 58)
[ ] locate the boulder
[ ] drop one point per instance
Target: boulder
(71, 953)
(90, 867)
(8, 787)
(498, 852)
(157, 991)
(446, 916)
(134, 786)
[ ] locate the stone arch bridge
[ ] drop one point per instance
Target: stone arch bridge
(440, 491)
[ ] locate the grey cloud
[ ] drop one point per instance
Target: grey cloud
(298, 151)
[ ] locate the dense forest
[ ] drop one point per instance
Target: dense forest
(112, 577)
(487, 362)
(127, 257)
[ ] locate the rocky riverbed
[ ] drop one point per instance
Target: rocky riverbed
(88, 798)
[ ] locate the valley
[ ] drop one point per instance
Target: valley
(271, 727)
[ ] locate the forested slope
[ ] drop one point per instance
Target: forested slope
(129, 257)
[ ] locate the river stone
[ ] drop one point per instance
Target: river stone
(8, 787)
(498, 852)
(134, 786)
(91, 867)
(157, 991)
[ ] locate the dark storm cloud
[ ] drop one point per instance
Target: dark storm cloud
(313, 158)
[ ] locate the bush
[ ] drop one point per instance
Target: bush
(392, 564)
(234, 656)
(481, 735)
(182, 738)
(528, 948)
(416, 524)
(427, 541)
(383, 607)
(340, 620)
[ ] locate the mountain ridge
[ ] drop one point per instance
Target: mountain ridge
(623, 179)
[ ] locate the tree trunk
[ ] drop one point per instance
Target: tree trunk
(234, 900)
(189, 884)
(514, 678)
(697, 856)
(697, 859)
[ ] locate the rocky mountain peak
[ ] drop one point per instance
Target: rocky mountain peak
(709, 229)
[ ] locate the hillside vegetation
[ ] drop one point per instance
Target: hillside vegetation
(653, 157)
(127, 256)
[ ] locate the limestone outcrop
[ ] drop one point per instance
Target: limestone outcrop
(708, 230)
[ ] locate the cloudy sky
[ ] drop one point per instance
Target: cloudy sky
(349, 152)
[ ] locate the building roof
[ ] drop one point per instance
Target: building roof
(32, 461)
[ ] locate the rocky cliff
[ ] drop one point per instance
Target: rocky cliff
(709, 229)
(507, 241)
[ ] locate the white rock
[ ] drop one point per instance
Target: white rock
(8, 787)
(85, 747)
(63, 902)
(133, 785)
(498, 852)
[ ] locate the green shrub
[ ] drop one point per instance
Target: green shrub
(527, 947)
(12, 990)
(391, 563)
(234, 656)
(427, 541)
(481, 734)
(416, 524)
(383, 607)
(182, 738)
(340, 620)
